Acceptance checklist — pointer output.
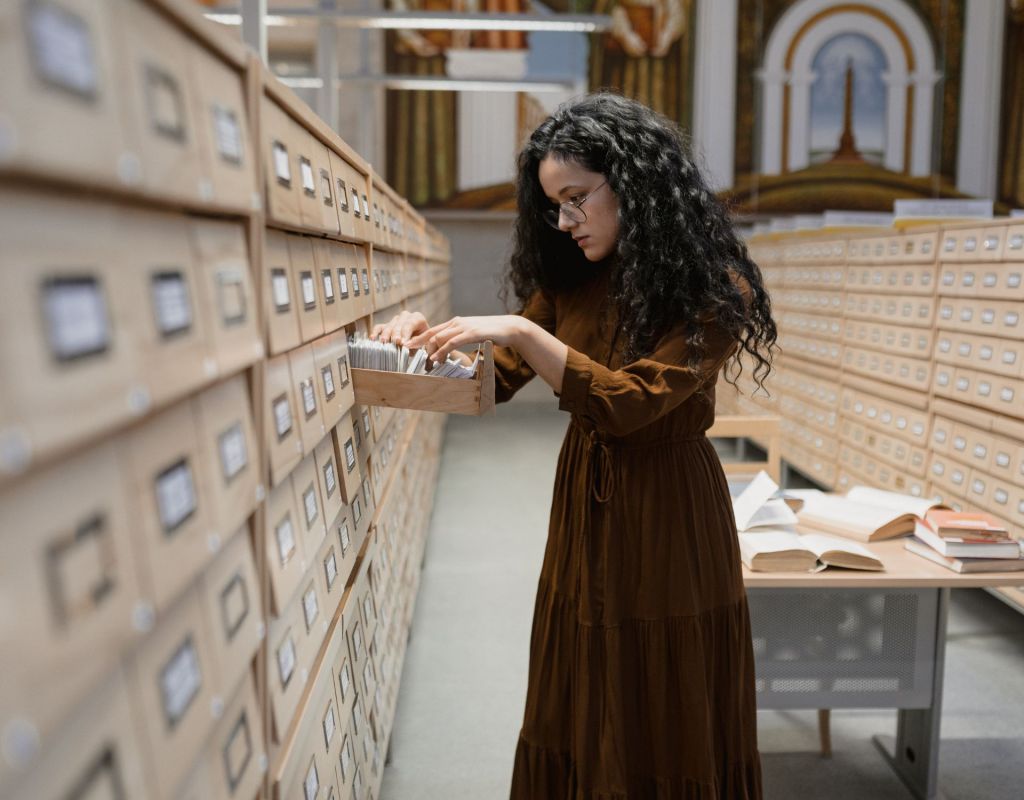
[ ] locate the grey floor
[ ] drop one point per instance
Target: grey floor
(464, 680)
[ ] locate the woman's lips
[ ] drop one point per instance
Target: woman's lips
(581, 240)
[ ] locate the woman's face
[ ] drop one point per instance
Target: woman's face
(567, 180)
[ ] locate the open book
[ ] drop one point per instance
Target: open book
(864, 513)
(783, 551)
(758, 507)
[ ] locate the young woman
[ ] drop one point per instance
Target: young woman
(635, 291)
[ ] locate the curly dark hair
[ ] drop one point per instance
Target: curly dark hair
(677, 259)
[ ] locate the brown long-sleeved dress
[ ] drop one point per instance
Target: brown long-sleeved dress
(641, 676)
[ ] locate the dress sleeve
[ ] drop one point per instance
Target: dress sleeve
(623, 400)
(511, 371)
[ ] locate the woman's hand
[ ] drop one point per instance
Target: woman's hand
(442, 339)
(401, 328)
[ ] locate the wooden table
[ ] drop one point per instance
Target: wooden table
(857, 639)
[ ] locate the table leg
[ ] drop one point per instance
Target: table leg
(914, 754)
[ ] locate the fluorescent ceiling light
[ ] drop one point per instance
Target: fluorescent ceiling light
(427, 20)
(435, 84)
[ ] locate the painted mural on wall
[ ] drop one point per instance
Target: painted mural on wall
(838, 104)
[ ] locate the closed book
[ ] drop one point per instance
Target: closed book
(965, 525)
(953, 549)
(964, 565)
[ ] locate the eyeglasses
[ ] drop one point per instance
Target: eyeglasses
(571, 209)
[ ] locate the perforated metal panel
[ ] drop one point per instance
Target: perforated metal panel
(843, 648)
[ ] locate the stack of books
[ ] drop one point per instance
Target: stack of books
(966, 541)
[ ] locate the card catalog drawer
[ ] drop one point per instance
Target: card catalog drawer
(331, 580)
(308, 184)
(63, 335)
(231, 602)
(170, 685)
(344, 437)
(226, 295)
(333, 350)
(66, 546)
(63, 114)
(236, 750)
(971, 446)
(171, 500)
(162, 287)
(341, 173)
(282, 303)
(96, 755)
(281, 419)
(306, 291)
(163, 103)
(223, 126)
(285, 554)
(280, 163)
(230, 454)
(1001, 281)
(287, 668)
(330, 480)
(949, 475)
(325, 188)
(309, 504)
(1013, 246)
(333, 306)
(305, 377)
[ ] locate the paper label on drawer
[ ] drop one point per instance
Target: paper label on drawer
(325, 275)
(967, 314)
(330, 569)
(1011, 318)
(286, 660)
(227, 133)
(345, 680)
(1009, 356)
(357, 510)
(285, 536)
(357, 642)
(343, 283)
(327, 375)
(237, 751)
(345, 759)
(366, 421)
(989, 280)
(964, 349)
(366, 282)
(980, 451)
(76, 317)
(282, 416)
(343, 371)
(233, 453)
(946, 312)
(355, 203)
(282, 166)
(308, 397)
(180, 681)
(308, 290)
(1002, 460)
(984, 388)
(367, 608)
(311, 785)
(988, 316)
(967, 279)
(366, 208)
(165, 103)
(310, 606)
(62, 48)
(310, 505)
(959, 443)
(308, 180)
(962, 384)
(367, 676)
(958, 477)
(231, 296)
(279, 288)
(1006, 395)
(350, 456)
(1013, 280)
(175, 495)
(325, 188)
(344, 537)
(330, 479)
(355, 283)
(984, 352)
(330, 726)
(234, 606)
(171, 304)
